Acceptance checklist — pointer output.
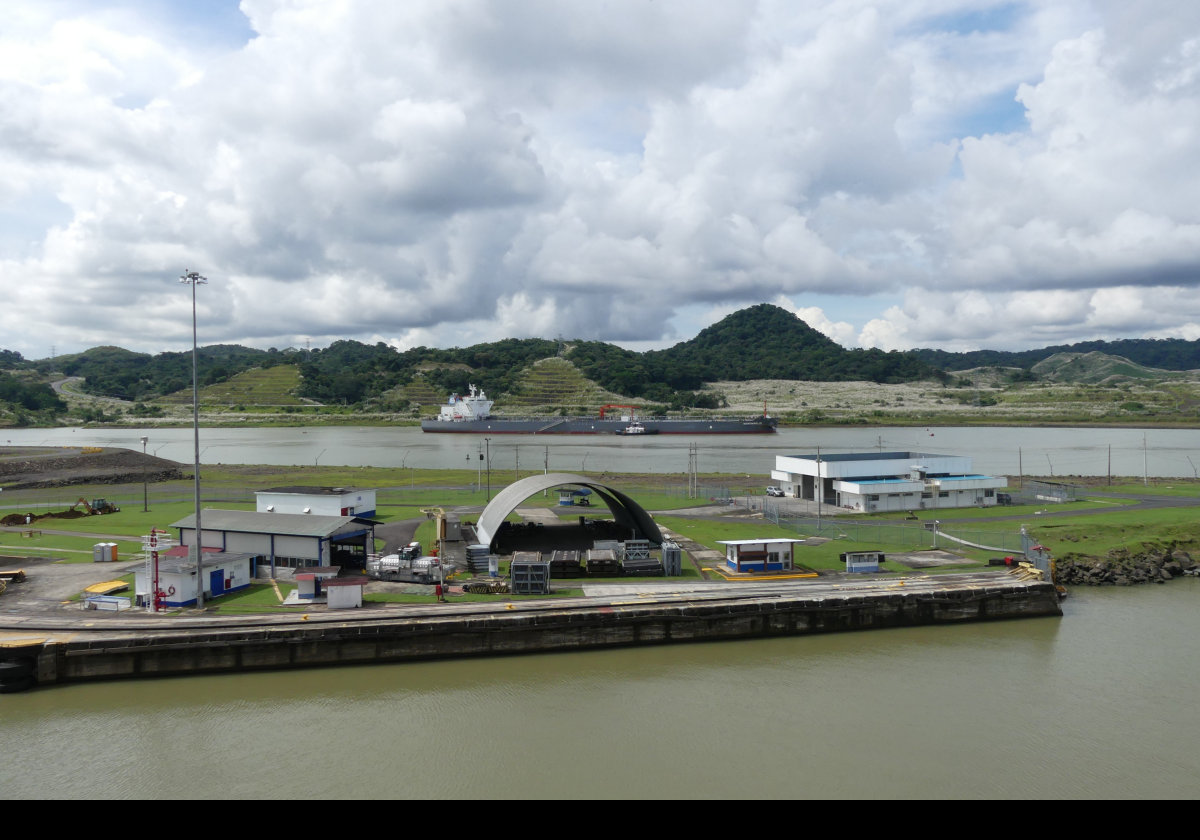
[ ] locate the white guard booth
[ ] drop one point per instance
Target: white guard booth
(345, 593)
(312, 581)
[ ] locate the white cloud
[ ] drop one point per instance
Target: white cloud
(422, 172)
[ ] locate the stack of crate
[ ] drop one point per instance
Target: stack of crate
(672, 559)
(529, 574)
(637, 561)
(477, 558)
(603, 562)
(565, 564)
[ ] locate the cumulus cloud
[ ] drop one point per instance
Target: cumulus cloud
(963, 173)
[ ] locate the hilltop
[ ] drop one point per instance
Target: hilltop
(759, 355)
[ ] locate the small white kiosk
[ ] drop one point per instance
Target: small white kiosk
(773, 555)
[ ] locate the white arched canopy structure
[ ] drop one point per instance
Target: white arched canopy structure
(625, 510)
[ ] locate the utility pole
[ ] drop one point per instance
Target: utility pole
(820, 490)
(145, 486)
(693, 470)
(488, 445)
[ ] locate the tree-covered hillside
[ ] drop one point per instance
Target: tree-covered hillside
(1162, 353)
(23, 397)
(760, 342)
(115, 372)
(768, 342)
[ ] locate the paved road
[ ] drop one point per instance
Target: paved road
(66, 624)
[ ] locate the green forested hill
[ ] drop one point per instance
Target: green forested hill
(120, 373)
(1162, 353)
(768, 342)
(759, 342)
(24, 396)
(756, 343)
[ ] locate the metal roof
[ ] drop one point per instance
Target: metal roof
(178, 565)
(304, 490)
(625, 510)
(253, 522)
(834, 457)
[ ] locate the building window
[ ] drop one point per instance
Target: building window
(944, 494)
(927, 495)
(987, 494)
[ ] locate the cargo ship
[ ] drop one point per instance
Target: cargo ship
(472, 414)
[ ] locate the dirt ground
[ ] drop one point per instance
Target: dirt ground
(28, 467)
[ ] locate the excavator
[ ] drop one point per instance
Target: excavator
(96, 506)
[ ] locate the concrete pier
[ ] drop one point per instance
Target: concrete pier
(122, 646)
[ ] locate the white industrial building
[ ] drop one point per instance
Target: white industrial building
(222, 573)
(284, 540)
(883, 481)
(321, 501)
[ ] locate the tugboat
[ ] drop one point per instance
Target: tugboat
(636, 429)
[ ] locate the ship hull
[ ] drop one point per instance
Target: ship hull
(592, 426)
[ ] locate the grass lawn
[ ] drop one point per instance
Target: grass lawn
(1098, 535)
(820, 557)
(404, 493)
(255, 598)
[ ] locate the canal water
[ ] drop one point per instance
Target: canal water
(1002, 450)
(1097, 704)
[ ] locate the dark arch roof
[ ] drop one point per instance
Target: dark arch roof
(625, 510)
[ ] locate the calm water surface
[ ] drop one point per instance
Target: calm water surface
(1007, 450)
(1100, 703)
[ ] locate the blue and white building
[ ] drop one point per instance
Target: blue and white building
(872, 482)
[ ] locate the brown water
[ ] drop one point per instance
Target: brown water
(1099, 703)
(1009, 450)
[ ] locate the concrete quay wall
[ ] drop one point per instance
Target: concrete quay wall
(529, 630)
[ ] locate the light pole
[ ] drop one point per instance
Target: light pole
(145, 486)
(488, 446)
(193, 279)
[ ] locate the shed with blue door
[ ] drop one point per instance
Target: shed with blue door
(221, 572)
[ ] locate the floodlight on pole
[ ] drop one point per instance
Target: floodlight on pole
(194, 279)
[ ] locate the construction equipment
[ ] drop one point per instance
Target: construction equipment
(96, 506)
(604, 409)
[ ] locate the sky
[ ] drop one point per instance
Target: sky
(927, 173)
